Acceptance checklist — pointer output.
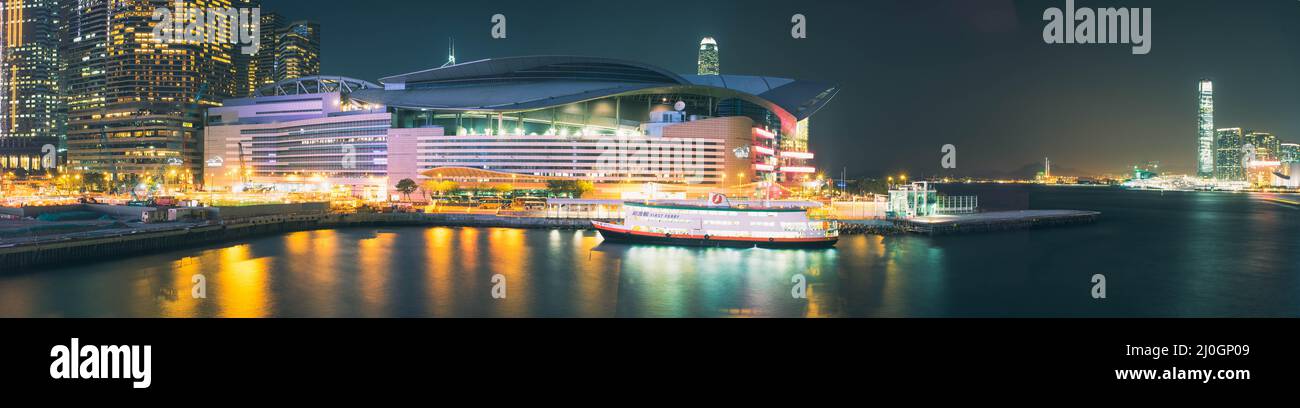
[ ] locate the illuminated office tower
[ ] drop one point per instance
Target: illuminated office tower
(1266, 145)
(297, 51)
(1228, 155)
(1205, 127)
(264, 61)
(709, 64)
(134, 101)
(287, 50)
(1290, 152)
(245, 65)
(31, 109)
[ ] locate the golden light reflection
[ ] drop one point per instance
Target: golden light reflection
(373, 269)
(515, 268)
(596, 283)
(184, 304)
(440, 279)
(240, 289)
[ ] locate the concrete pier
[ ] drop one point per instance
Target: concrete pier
(995, 221)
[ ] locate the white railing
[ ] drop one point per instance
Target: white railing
(957, 204)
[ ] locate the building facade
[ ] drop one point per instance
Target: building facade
(1267, 147)
(287, 50)
(1205, 129)
(263, 64)
(709, 63)
(1228, 155)
(623, 126)
(135, 102)
(308, 135)
(297, 51)
(245, 65)
(1290, 152)
(32, 111)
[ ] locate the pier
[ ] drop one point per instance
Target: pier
(995, 221)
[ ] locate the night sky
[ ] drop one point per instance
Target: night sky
(914, 74)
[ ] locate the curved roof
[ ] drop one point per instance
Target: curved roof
(314, 85)
(536, 82)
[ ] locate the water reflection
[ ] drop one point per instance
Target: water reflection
(1164, 255)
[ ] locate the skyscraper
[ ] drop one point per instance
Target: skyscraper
(709, 64)
(135, 100)
(31, 108)
(245, 65)
(297, 51)
(263, 64)
(1266, 145)
(1290, 152)
(287, 50)
(1205, 127)
(1228, 155)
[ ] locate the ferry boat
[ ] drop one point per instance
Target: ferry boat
(729, 226)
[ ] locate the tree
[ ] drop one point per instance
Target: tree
(868, 186)
(406, 187)
(571, 188)
(582, 188)
(442, 188)
(503, 189)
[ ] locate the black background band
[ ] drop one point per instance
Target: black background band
(293, 356)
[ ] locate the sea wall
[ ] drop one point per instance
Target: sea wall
(137, 242)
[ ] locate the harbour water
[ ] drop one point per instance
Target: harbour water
(1163, 254)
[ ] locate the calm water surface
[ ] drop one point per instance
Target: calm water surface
(1163, 254)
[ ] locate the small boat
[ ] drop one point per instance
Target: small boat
(714, 226)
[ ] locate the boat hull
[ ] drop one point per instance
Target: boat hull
(617, 235)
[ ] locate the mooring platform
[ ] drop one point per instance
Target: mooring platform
(995, 221)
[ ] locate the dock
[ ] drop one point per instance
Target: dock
(995, 221)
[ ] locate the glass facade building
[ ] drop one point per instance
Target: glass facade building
(287, 50)
(32, 111)
(1267, 147)
(135, 101)
(1205, 129)
(1290, 152)
(297, 51)
(618, 124)
(583, 97)
(709, 63)
(1228, 160)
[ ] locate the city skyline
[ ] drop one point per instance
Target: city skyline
(1073, 105)
(1060, 119)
